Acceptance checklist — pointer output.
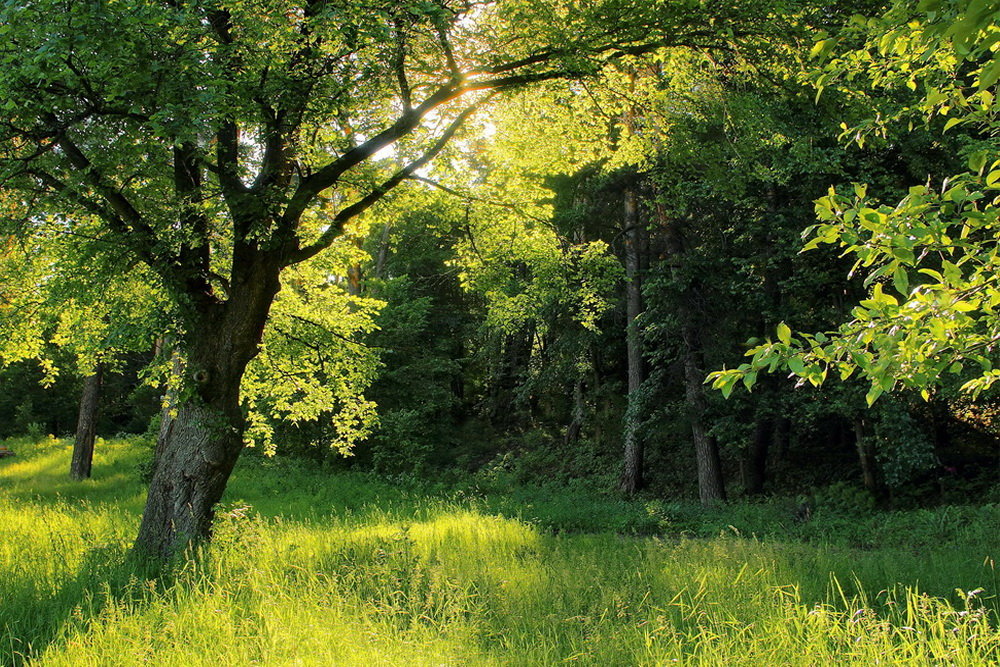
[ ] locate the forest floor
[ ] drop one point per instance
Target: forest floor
(310, 566)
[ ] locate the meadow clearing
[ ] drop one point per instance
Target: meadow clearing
(313, 566)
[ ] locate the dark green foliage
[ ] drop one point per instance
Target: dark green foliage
(29, 407)
(423, 338)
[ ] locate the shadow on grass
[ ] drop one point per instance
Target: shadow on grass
(33, 620)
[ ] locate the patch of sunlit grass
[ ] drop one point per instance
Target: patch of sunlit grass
(360, 573)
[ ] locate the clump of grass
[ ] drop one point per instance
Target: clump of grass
(315, 568)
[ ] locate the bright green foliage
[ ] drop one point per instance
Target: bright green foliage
(313, 367)
(526, 266)
(350, 570)
(61, 287)
(930, 260)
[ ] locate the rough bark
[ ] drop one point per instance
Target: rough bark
(200, 445)
(170, 396)
(632, 468)
(86, 425)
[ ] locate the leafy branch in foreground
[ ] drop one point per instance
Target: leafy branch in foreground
(932, 259)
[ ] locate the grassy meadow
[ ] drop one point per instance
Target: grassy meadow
(314, 567)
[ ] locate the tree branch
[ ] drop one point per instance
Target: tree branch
(328, 175)
(345, 214)
(482, 200)
(109, 216)
(115, 199)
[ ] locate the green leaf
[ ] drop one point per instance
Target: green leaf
(880, 297)
(989, 75)
(901, 281)
(784, 334)
(821, 47)
(873, 394)
(977, 161)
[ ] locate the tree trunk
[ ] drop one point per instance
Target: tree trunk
(753, 465)
(632, 468)
(86, 426)
(354, 274)
(577, 414)
(200, 445)
(383, 251)
(168, 345)
(866, 457)
(711, 485)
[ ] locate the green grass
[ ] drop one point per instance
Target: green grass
(311, 567)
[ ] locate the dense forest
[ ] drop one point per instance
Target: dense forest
(715, 254)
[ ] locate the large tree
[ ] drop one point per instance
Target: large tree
(221, 141)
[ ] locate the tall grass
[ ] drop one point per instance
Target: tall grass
(312, 568)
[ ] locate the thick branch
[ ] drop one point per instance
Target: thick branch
(328, 175)
(510, 75)
(195, 253)
(76, 197)
(116, 200)
(227, 156)
(345, 214)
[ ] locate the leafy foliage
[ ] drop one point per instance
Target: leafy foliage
(929, 259)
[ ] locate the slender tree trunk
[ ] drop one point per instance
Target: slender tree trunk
(86, 425)
(753, 465)
(354, 280)
(866, 457)
(711, 485)
(200, 445)
(632, 468)
(383, 251)
(577, 413)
